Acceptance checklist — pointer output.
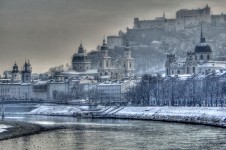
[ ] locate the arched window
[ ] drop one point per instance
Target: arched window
(201, 57)
(172, 72)
(208, 57)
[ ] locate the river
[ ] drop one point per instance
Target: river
(102, 134)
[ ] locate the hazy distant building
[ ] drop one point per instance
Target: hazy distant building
(193, 17)
(198, 62)
(185, 18)
(114, 41)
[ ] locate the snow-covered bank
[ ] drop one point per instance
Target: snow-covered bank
(200, 115)
(56, 110)
(215, 116)
(4, 127)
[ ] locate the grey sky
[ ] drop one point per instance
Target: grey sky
(48, 32)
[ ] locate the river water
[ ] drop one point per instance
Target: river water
(116, 134)
(110, 134)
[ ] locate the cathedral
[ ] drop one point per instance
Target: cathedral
(198, 62)
(115, 70)
(81, 65)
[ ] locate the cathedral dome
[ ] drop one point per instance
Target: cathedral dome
(80, 56)
(202, 46)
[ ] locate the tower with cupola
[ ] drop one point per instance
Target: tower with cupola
(105, 61)
(80, 61)
(128, 61)
(26, 72)
(15, 73)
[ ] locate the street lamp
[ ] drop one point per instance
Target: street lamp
(3, 114)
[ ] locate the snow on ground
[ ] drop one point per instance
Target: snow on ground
(60, 110)
(4, 127)
(200, 115)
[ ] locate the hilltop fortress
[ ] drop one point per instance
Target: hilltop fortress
(185, 18)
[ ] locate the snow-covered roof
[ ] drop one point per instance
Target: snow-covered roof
(76, 72)
(213, 64)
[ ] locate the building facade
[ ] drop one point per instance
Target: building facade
(198, 62)
(118, 69)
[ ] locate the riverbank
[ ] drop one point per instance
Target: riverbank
(18, 129)
(214, 116)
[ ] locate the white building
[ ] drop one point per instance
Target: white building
(113, 92)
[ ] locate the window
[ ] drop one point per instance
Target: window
(193, 69)
(208, 57)
(178, 71)
(188, 70)
(130, 65)
(201, 57)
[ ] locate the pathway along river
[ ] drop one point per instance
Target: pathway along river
(108, 134)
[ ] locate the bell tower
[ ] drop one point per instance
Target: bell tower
(15, 73)
(105, 60)
(26, 72)
(128, 61)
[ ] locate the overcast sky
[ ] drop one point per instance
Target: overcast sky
(48, 32)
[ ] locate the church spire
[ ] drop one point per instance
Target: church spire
(202, 38)
(104, 46)
(80, 48)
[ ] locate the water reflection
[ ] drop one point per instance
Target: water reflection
(118, 134)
